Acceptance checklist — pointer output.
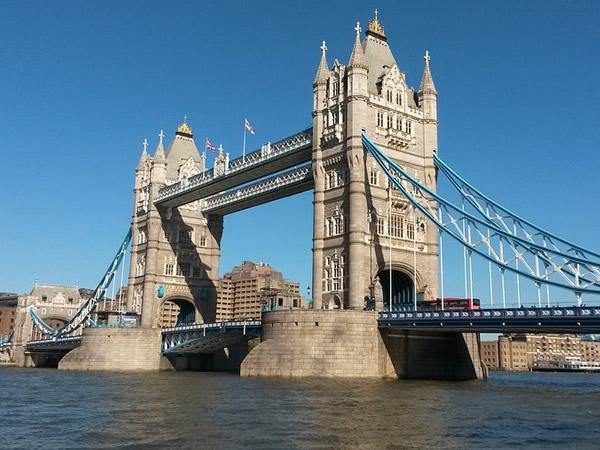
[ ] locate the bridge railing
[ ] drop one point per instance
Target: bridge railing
(209, 326)
(542, 313)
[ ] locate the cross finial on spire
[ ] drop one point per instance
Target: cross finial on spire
(357, 28)
(145, 143)
(161, 135)
(185, 118)
(323, 47)
(427, 57)
(376, 12)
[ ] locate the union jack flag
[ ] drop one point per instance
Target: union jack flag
(208, 145)
(248, 126)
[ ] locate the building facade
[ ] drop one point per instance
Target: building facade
(365, 231)
(520, 352)
(8, 307)
(175, 252)
(250, 288)
(56, 305)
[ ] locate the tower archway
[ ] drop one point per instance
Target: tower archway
(176, 311)
(402, 291)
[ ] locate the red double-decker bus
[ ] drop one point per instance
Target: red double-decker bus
(450, 303)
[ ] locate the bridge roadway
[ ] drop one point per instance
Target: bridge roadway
(210, 337)
(571, 320)
(272, 158)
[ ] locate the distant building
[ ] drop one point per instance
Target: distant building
(55, 303)
(8, 306)
(520, 351)
(249, 288)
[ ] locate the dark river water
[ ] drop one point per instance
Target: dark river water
(45, 408)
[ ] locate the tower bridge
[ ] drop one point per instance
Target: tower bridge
(372, 160)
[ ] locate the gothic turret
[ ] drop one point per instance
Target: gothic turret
(427, 86)
(357, 57)
(159, 166)
(323, 69)
(143, 157)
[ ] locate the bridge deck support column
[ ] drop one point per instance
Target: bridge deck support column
(344, 343)
(115, 349)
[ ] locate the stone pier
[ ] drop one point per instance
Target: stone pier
(346, 343)
(115, 349)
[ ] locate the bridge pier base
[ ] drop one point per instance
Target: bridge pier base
(115, 349)
(346, 343)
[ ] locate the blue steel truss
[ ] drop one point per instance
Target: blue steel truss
(56, 344)
(483, 236)
(82, 316)
(514, 320)
(509, 221)
(207, 338)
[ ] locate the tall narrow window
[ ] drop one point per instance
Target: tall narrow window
(390, 122)
(374, 177)
(398, 98)
(380, 119)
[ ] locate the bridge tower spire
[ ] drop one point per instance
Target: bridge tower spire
(175, 251)
(367, 242)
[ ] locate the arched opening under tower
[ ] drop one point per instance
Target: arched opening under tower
(175, 312)
(402, 290)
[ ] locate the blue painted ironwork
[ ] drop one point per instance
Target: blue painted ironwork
(490, 241)
(283, 149)
(82, 316)
(55, 344)
(207, 337)
(513, 320)
(508, 220)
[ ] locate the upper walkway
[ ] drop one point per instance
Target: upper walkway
(270, 159)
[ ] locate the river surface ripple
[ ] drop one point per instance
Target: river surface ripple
(45, 408)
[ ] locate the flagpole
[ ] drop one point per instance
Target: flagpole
(244, 146)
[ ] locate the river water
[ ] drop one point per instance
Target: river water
(45, 408)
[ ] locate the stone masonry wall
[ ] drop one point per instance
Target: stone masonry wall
(322, 343)
(115, 349)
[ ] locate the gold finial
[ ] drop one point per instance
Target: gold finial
(184, 128)
(375, 27)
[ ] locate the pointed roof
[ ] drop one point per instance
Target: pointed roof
(357, 57)
(323, 69)
(144, 155)
(159, 154)
(181, 149)
(377, 53)
(427, 86)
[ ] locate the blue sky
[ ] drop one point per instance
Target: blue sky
(83, 83)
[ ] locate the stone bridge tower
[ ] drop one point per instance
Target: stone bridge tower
(368, 242)
(175, 252)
